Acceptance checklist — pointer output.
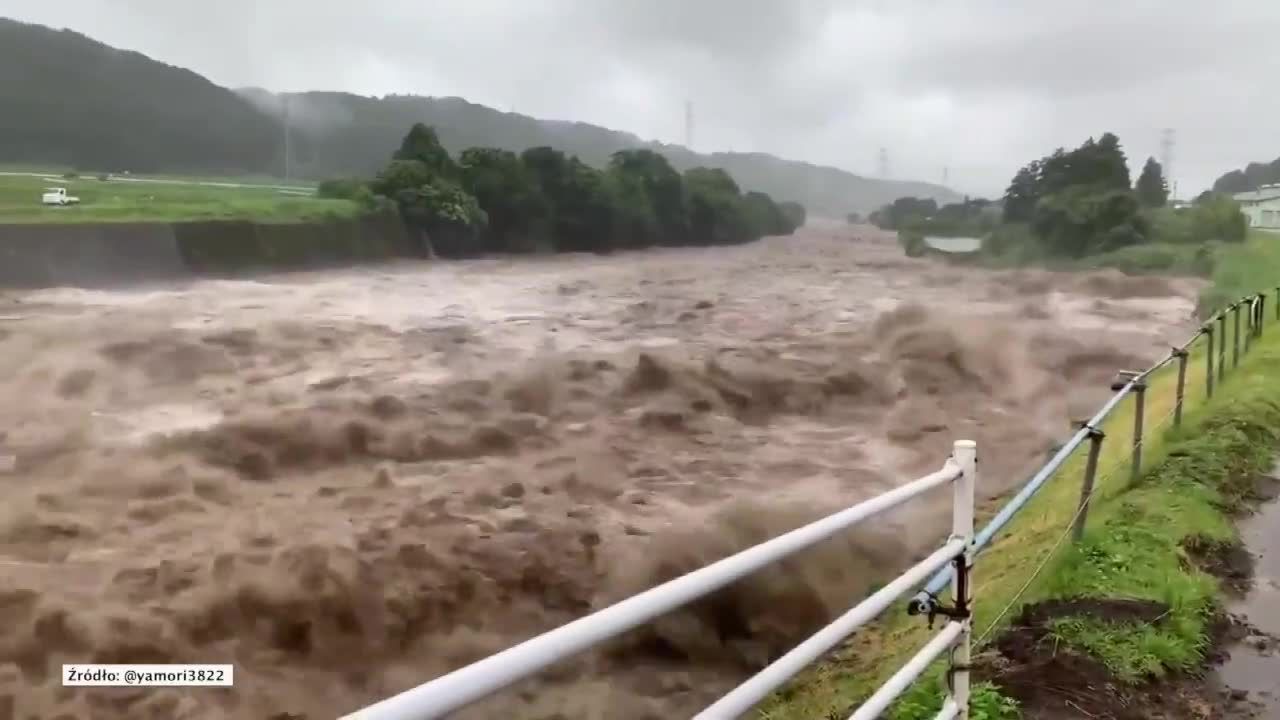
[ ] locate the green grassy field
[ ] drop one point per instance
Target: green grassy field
(126, 201)
(1132, 546)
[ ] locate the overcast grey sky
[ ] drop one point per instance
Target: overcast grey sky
(979, 86)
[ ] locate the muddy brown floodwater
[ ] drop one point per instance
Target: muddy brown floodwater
(348, 482)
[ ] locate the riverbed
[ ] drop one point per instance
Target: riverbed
(348, 482)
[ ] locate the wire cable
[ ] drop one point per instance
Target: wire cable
(1103, 481)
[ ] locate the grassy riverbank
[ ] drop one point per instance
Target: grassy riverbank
(1243, 269)
(1135, 544)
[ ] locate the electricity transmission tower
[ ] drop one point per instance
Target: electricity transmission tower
(884, 163)
(1167, 140)
(688, 124)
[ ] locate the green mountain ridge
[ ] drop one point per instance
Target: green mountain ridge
(73, 101)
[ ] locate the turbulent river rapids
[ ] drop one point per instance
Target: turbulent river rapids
(348, 482)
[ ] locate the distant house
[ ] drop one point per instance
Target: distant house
(1261, 207)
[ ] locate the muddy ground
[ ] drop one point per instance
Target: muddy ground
(1240, 676)
(349, 482)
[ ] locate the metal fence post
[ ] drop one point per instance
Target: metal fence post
(1235, 340)
(1139, 389)
(1222, 345)
(1248, 322)
(966, 456)
(1096, 437)
(1139, 406)
(1208, 379)
(1181, 354)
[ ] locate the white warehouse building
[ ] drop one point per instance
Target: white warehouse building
(1261, 207)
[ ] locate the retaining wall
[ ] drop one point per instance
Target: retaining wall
(112, 254)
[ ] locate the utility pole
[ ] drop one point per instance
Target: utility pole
(946, 172)
(884, 164)
(1167, 141)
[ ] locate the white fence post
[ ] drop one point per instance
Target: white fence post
(966, 456)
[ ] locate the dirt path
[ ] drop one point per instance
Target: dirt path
(349, 482)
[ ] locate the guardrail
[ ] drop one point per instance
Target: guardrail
(1135, 384)
(473, 682)
(469, 684)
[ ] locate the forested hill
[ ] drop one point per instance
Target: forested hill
(344, 133)
(70, 100)
(1250, 178)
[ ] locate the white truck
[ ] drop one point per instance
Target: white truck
(58, 196)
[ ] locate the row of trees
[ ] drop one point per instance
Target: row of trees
(491, 200)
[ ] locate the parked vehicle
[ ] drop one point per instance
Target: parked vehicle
(58, 196)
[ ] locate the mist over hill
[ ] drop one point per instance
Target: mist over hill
(70, 100)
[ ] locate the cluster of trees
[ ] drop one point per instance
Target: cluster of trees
(492, 200)
(1079, 202)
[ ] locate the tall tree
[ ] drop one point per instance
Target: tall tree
(1099, 164)
(1080, 221)
(422, 144)
(795, 212)
(661, 185)
(419, 179)
(509, 194)
(717, 215)
(1152, 189)
(764, 216)
(582, 204)
(449, 215)
(635, 224)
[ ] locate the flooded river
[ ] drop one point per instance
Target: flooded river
(348, 482)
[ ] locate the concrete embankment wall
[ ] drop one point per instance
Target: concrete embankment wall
(112, 254)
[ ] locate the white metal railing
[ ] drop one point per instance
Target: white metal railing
(462, 687)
